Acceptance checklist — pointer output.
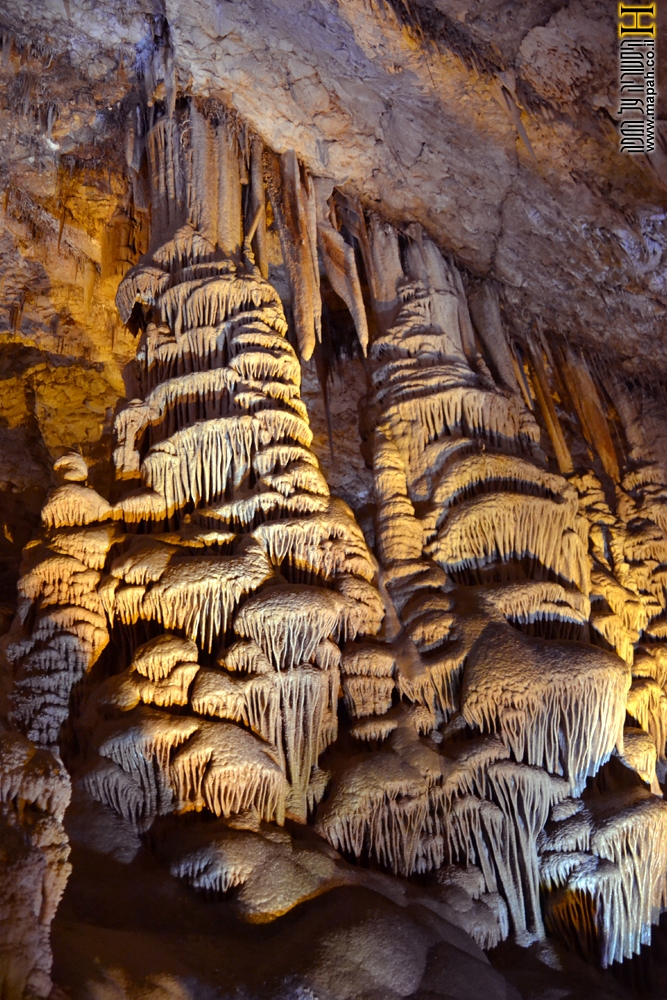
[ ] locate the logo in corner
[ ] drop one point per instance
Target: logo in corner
(637, 78)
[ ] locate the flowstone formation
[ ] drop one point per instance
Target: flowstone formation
(226, 577)
(195, 621)
(220, 658)
(485, 564)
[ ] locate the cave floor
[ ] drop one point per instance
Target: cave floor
(131, 930)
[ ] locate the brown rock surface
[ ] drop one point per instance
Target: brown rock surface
(483, 389)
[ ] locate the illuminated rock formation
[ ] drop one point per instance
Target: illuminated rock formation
(34, 793)
(479, 542)
(194, 622)
(216, 651)
(245, 570)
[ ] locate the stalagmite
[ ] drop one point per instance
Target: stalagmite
(34, 793)
(459, 480)
(400, 536)
(72, 467)
(271, 875)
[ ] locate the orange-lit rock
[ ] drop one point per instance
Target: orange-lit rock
(332, 500)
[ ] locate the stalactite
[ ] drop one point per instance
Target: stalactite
(73, 504)
(252, 700)
(368, 695)
(199, 594)
(258, 200)
(549, 414)
(622, 876)
(534, 691)
(91, 545)
(290, 621)
(166, 177)
(485, 311)
(587, 402)
(340, 263)
(294, 211)
(532, 601)
(268, 873)
(479, 531)
(640, 754)
(220, 598)
(525, 795)
(326, 543)
(379, 805)
(647, 704)
(383, 267)
(226, 504)
(69, 631)
(227, 770)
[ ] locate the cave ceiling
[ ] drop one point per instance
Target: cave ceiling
(490, 124)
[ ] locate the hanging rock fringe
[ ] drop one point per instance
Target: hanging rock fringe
(558, 705)
(477, 733)
(379, 806)
(226, 770)
(230, 516)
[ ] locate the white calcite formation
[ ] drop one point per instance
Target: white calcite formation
(194, 642)
(247, 554)
(478, 542)
(34, 793)
(221, 581)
